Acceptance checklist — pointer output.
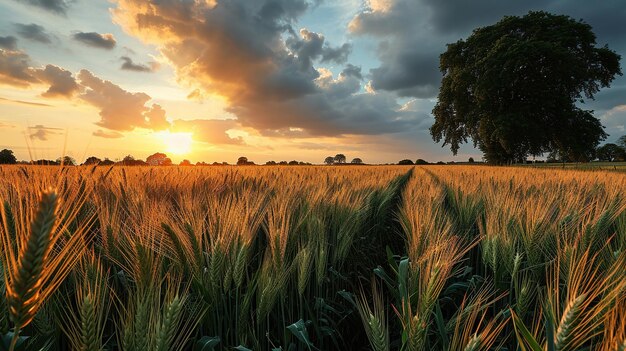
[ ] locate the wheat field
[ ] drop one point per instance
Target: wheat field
(312, 258)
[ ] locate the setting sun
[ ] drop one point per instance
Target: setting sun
(177, 143)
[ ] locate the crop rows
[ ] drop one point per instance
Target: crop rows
(312, 258)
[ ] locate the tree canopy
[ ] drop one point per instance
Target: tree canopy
(357, 161)
(512, 88)
(7, 157)
(340, 158)
(611, 152)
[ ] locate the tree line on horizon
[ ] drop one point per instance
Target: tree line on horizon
(610, 152)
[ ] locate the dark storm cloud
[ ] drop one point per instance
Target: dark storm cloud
(57, 6)
(96, 40)
(33, 32)
(352, 71)
(270, 73)
(8, 42)
(129, 65)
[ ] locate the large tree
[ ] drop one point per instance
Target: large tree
(512, 88)
(7, 157)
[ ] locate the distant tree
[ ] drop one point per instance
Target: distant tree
(611, 152)
(441, 163)
(283, 163)
(357, 161)
(46, 162)
(329, 160)
(405, 162)
(243, 161)
(512, 88)
(293, 163)
(67, 161)
(270, 163)
(471, 160)
(420, 161)
(224, 163)
(185, 163)
(92, 161)
(106, 162)
(128, 158)
(7, 157)
(201, 163)
(158, 159)
(340, 158)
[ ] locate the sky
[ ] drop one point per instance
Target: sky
(212, 80)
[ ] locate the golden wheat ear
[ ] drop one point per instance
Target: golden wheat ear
(48, 251)
(26, 276)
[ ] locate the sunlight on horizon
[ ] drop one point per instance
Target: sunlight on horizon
(179, 143)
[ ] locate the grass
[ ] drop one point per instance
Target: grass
(312, 258)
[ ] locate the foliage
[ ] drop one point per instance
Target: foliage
(611, 152)
(158, 159)
(512, 88)
(7, 157)
(357, 161)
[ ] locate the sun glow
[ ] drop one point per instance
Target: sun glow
(177, 143)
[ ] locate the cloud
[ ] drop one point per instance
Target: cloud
(413, 33)
(15, 69)
(120, 110)
(129, 65)
(6, 125)
(211, 131)
(61, 81)
(96, 40)
(249, 53)
(57, 6)
(8, 42)
(107, 134)
(30, 103)
(615, 121)
(33, 32)
(41, 132)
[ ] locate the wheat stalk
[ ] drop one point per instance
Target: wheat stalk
(26, 274)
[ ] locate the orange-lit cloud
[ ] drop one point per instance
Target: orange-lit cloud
(16, 70)
(61, 81)
(107, 134)
(249, 53)
(120, 110)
